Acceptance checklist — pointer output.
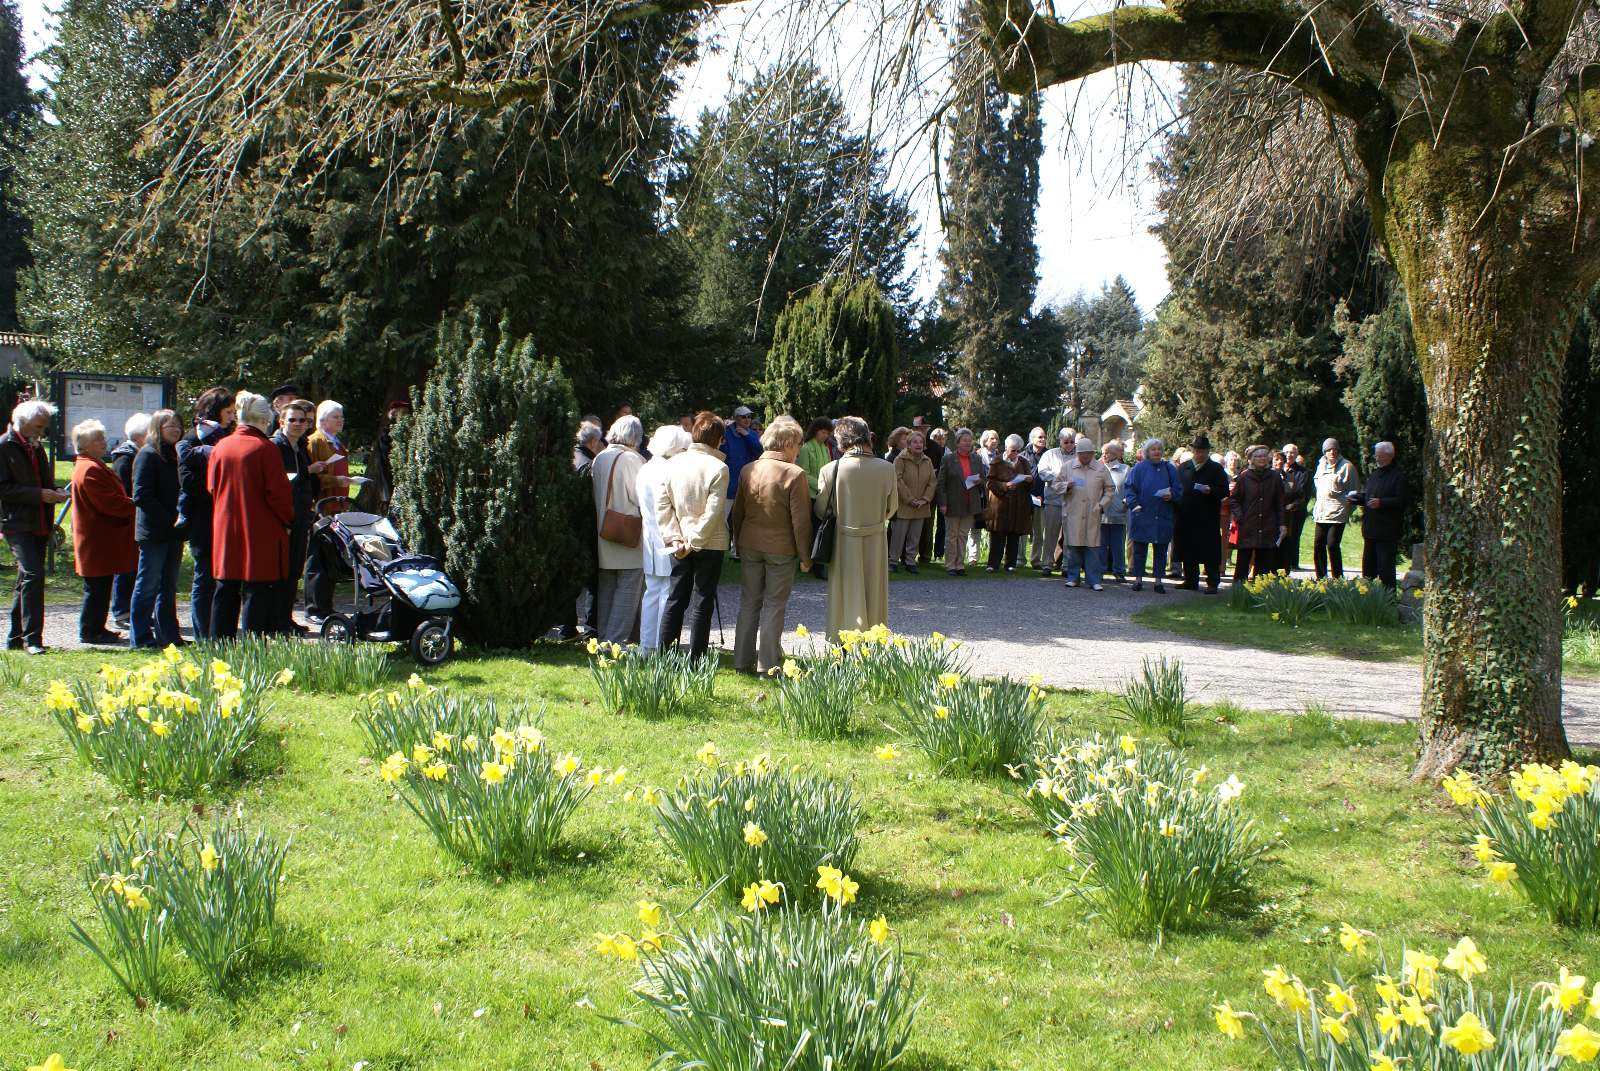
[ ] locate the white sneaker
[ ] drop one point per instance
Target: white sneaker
(1097, 587)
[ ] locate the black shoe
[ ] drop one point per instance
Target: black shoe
(1209, 591)
(912, 569)
(953, 572)
(894, 567)
(1161, 589)
(1044, 574)
(988, 568)
(1121, 579)
(1138, 585)
(1190, 587)
(1011, 568)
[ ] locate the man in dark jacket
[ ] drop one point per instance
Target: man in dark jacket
(213, 419)
(294, 420)
(1199, 515)
(590, 442)
(1296, 494)
(121, 462)
(28, 498)
(1038, 446)
(1383, 518)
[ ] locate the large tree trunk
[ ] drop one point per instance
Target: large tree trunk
(1493, 295)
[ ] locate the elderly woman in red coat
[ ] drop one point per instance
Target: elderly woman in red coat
(102, 531)
(253, 508)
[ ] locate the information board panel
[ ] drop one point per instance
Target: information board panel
(109, 399)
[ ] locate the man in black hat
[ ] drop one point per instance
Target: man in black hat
(280, 397)
(1198, 537)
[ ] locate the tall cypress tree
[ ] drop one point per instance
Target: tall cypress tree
(991, 262)
(835, 351)
(19, 109)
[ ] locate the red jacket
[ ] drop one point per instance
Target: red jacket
(102, 521)
(252, 508)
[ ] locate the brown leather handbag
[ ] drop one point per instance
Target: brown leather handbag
(626, 529)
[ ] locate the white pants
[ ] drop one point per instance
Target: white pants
(655, 603)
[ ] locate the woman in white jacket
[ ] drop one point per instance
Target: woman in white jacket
(669, 440)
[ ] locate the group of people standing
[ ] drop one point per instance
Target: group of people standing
(240, 487)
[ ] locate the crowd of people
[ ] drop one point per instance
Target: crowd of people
(239, 487)
(667, 514)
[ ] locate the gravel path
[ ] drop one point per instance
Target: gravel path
(1084, 639)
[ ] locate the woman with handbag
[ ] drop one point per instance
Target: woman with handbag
(858, 493)
(615, 475)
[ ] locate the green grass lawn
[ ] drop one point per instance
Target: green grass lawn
(393, 956)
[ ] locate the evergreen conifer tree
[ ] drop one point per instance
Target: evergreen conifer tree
(19, 111)
(835, 351)
(484, 481)
(1002, 377)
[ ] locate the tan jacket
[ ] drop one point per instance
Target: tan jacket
(1085, 492)
(693, 504)
(772, 511)
(914, 478)
(626, 462)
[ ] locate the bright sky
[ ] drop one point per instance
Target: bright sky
(1094, 212)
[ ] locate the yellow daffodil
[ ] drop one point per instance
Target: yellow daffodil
(650, 914)
(595, 776)
(1578, 1043)
(135, 898)
(617, 776)
(492, 772)
(442, 741)
(1566, 992)
(421, 753)
(593, 646)
(54, 1062)
(1170, 828)
(567, 766)
(1594, 1002)
(1335, 1029)
(949, 681)
(436, 771)
(1419, 969)
(1387, 991)
(941, 713)
(1414, 1015)
(469, 742)
(1466, 960)
(791, 669)
(84, 723)
(1483, 849)
(801, 631)
(208, 856)
(1468, 1035)
(1339, 1000)
(393, 767)
(651, 941)
(1128, 744)
(758, 894)
(837, 884)
(887, 753)
(1228, 1020)
(1463, 790)
(1502, 872)
(283, 677)
(878, 930)
(754, 835)
(1381, 1062)
(1198, 777)
(1284, 989)
(1388, 1021)
(708, 754)
(1352, 939)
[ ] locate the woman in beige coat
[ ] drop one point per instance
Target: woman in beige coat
(771, 523)
(914, 480)
(1085, 486)
(859, 490)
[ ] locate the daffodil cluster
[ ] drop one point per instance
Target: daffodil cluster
(893, 667)
(1543, 838)
(650, 684)
(625, 946)
(974, 726)
(213, 891)
(816, 698)
(173, 725)
(1432, 1012)
(749, 824)
(1156, 842)
(1291, 602)
(498, 801)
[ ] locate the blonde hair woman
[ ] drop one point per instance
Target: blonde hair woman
(771, 522)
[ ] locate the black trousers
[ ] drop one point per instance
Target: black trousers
(1010, 545)
(1191, 572)
(1255, 561)
(1325, 549)
(284, 590)
(319, 581)
(693, 594)
(27, 606)
(255, 597)
(92, 611)
(1289, 549)
(1378, 560)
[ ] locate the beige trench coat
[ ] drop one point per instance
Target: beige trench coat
(862, 492)
(1082, 508)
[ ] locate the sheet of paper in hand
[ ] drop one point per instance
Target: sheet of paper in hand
(973, 481)
(1017, 481)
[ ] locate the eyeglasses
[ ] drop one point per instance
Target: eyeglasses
(297, 420)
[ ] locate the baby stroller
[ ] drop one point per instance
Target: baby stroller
(400, 597)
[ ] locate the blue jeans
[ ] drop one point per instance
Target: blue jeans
(203, 592)
(1139, 551)
(154, 618)
(1085, 563)
(1114, 548)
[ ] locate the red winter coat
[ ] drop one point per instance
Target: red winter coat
(252, 508)
(102, 521)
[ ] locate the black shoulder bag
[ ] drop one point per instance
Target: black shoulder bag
(822, 538)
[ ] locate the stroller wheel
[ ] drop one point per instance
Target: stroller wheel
(431, 643)
(338, 628)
